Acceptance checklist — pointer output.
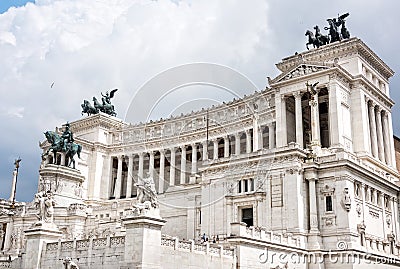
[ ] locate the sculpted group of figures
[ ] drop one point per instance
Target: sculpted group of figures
(334, 34)
(105, 106)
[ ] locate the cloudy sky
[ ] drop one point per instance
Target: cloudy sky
(88, 46)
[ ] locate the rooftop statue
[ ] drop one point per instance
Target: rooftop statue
(334, 34)
(105, 106)
(64, 143)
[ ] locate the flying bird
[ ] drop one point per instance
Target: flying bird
(52, 84)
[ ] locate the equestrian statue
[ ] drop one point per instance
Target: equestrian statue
(63, 143)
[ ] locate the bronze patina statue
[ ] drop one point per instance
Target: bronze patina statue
(334, 34)
(64, 143)
(105, 106)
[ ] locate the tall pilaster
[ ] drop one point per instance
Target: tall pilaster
(299, 118)
(117, 191)
(381, 153)
(183, 165)
(372, 124)
(129, 177)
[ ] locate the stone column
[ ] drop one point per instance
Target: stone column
(248, 141)
(183, 165)
(13, 186)
(130, 177)
(283, 132)
(299, 119)
(364, 207)
(162, 172)
(271, 132)
(194, 158)
(117, 191)
(381, 153)
(315, 128)
(205, 150)
(215, 148)
(386, 138)
(172, 167)
(237, 144)
(141, 163)
(256, 136)
(151, 164)
(226, 146)
(372, 124)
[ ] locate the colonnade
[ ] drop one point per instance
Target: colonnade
(379, 132)
(177, 164)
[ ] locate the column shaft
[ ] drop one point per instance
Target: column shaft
(271, 133)
(283, 133)
(299, 119)
(237, 144)
(226, 146)
(205, 151)
(372, 124)
(386, 139)
(215, 148)
(141, 163)
(248, 141)
(162, 172)
(172, 167)
(118, 183)
(130, 177)
(183, 165)
(194, 159)
(381, 153)
(151, 164)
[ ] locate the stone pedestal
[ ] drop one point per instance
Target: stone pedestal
(143, 241)
(35, 239)
(64, 182)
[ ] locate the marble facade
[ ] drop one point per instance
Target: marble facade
(281, 171)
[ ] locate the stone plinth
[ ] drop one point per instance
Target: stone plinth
(143, 242)
(64, 182)
(36, 238)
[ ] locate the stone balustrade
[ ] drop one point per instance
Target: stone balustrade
(192, 246)
(261, 233)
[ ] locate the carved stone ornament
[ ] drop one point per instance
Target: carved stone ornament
(359, 209)
(346, 200)
(388, 220)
